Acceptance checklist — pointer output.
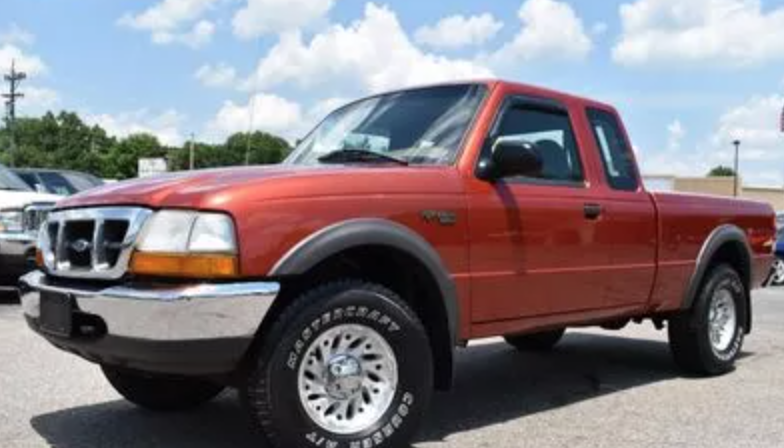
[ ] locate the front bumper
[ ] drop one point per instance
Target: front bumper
(17, 256)
(195, 329)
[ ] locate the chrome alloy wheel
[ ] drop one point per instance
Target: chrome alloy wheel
(777, 279)
(722, 320)
(348, 379)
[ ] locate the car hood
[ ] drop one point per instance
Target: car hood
(15, 199)
(221, 188)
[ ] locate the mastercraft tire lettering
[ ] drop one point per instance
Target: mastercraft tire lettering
(346, 365)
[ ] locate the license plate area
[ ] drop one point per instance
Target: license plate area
(56, 313)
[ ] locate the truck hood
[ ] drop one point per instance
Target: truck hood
(15, 199)
(220, 188)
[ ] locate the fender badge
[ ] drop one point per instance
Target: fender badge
(442, 217)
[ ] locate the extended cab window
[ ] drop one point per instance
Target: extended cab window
(616, 155)
(551, 132)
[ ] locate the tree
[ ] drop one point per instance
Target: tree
(122, 160)
(64, 141)
(721, 171)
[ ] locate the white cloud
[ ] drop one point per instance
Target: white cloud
(266, 112)
(458, 31)
(30, 64)
(550, 30)
(199, 36)
(166, 126)
(220, 75)
(756, 124)
(40, 99)
(373, 52)
(259, 17)
(675, 134)
(175, 21)
(731, 33)
(16, 35)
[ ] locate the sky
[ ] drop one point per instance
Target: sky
(689, 77)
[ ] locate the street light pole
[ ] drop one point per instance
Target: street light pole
(737, 152)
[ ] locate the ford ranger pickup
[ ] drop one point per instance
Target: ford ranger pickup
(333, 289)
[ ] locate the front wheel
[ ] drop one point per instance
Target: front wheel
(346, 364)
(161, 392)
(707, 339)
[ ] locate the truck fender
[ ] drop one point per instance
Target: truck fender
(721, 235)
(344, 235)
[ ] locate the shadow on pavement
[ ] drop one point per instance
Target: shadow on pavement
(493, 384)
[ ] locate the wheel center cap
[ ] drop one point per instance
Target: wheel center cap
(344, 377)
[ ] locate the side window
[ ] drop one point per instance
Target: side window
(616, 155)
(551, 132)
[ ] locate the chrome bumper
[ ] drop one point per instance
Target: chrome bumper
(160, 323)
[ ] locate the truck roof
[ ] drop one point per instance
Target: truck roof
(496, 82)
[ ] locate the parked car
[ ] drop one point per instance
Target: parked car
(332, 290)
(777, 271)
(22, 210)
(59, 182)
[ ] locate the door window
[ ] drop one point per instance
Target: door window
(551, 133)
(619, 166)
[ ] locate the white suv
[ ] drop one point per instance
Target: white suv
(22, 211)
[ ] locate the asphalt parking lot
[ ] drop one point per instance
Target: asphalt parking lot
(599, 389)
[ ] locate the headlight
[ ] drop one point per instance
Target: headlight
(11, 221)
(187, 244)
(180, 232)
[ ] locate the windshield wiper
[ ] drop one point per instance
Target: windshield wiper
(359, 155)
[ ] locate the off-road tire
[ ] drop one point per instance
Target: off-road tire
(161, 392)
(689, 332)
(272, 390)
(536, 342)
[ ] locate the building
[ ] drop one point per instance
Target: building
(719, 186)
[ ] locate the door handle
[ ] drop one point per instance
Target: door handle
(592, 211)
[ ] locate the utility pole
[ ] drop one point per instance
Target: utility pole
(192, 154)
(737, 152)
(14, 79)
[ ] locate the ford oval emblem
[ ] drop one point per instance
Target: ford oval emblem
(81, 245)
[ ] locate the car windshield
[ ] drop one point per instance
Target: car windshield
(10, 181)
(419, 127)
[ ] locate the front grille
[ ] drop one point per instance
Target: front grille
(91, 243)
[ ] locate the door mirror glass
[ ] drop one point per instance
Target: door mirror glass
(514, 157)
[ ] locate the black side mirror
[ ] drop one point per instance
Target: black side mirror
(511, 158)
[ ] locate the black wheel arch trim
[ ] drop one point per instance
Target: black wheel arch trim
(353, 233)
(726, 233)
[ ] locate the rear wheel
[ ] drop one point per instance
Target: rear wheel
(161, 392)
(347, 364)
(537, 342)
(707, 339)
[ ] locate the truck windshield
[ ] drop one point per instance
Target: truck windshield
(418, 127)
(10, 181)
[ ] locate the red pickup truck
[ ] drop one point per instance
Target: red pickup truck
(333, 289)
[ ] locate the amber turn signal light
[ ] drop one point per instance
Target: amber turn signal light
(39, 258)
(188, 265)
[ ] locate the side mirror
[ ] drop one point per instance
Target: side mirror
(511, 158)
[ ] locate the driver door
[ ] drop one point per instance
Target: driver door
(537, 243)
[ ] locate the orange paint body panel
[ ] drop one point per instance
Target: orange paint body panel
(521, 256)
